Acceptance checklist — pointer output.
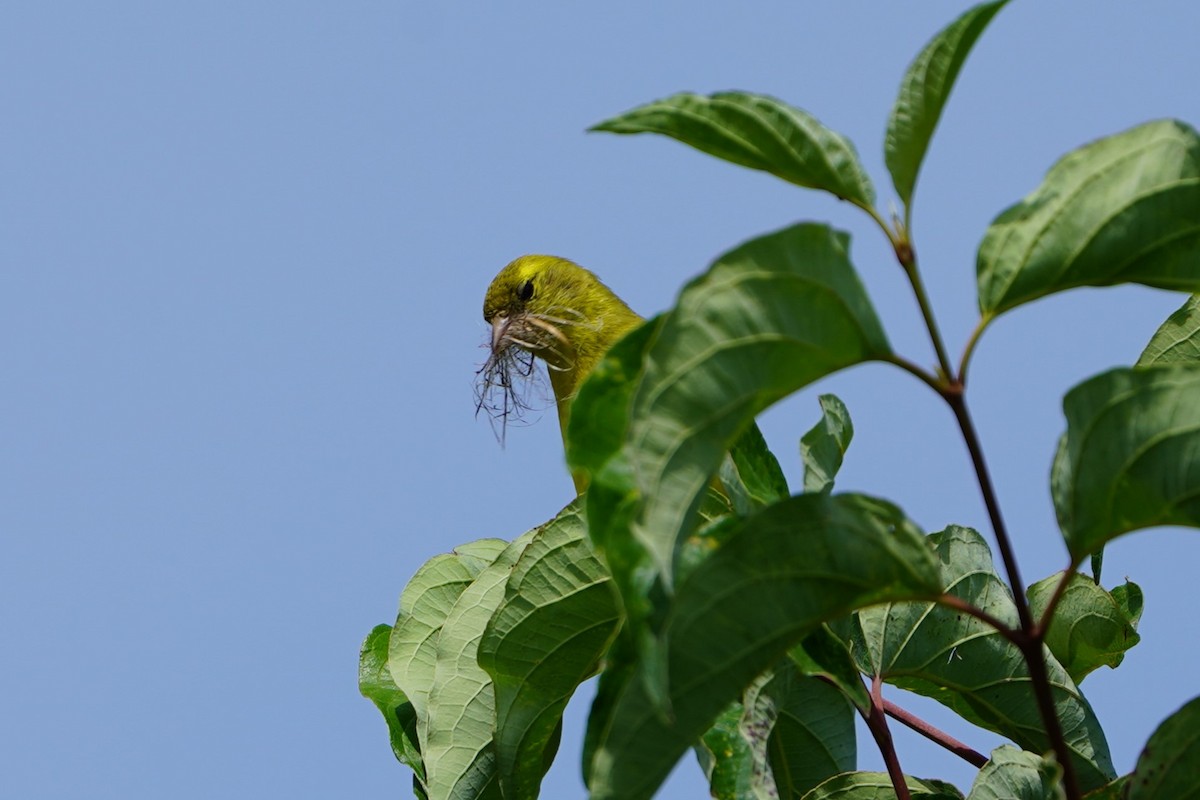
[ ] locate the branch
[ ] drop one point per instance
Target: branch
(877, 724)
(935, 735)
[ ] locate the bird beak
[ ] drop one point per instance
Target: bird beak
(499, 329)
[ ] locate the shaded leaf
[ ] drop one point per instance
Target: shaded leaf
(457, 735)
(823, 655)
(1169, 766)
(751, 475)
(1015, 774)
(1178, 339)
(1124, 209)
(726, 757)
(878, 786)
(1090, 628)
(816, 557)
(822, 448)
(969, 666)
(375, 683)
(804, 725)
(759, 132)
(923, 94)
(1129, 459)
(558, 615)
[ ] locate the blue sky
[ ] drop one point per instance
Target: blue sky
(243, 256)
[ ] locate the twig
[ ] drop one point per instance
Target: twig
(877, 724)
(935, 735)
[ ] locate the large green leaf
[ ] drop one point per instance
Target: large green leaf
(457, 735)
(822, 448)
(759, 132)
(1169, 766)
(375, 683)
(923, 94)
(766, 319)
(1178, 340)
(424, 604)
(807, 728)
(878, 786)
(969, 666)
(558, 616)
(1131, 455)
(790, 733)
(1014, 774)
(816, 557)
(1125, 209)
(1090, 628)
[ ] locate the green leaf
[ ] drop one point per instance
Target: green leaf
(759, 132)
(878, 786)
(767, 319)
(1090, 628)
(424, 604)
(824, 655)
(807, 728)
(1125, 209)
(1178, 340)
(816, 557)
(375, 683)
(969, 666)
(790, 733)
(923, 94)
(822, 448)
(1169, 766)
(457, 735)
(751, 475)
(726, 757)
(1129, 457)
(558, 615)
(1014, 774)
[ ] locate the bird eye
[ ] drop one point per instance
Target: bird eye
(526, 291)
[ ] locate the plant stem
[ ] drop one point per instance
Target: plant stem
(877, 723)
(908, 260)
(935, 735)
(969, 350)
(1029, 638)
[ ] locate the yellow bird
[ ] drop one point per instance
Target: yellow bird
(553, 309)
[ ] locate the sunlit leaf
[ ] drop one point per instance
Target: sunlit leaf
(1131, 455)
(1178, 340)
(1124, 209)
(969, 666)
(923, 94)
(1014, 774)
(1169, 766)
(759, 132)
(557, 617)
(1090, 628)
(822, 448)
(816, 557)
(424, 604)
(457, 741)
